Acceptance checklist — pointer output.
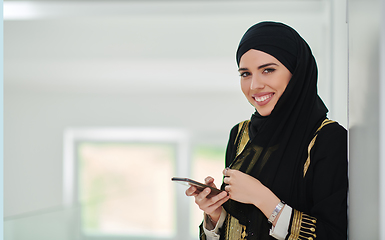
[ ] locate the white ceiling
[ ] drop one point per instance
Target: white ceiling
(141, 45)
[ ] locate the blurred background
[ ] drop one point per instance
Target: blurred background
(106, 101)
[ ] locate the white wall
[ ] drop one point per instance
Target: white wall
(162, 64)
(382, 125)
(364, 119)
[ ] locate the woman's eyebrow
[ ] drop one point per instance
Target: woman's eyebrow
(267, 64)
(242, 69)
(262, 66)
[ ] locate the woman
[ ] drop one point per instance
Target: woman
(286, 168)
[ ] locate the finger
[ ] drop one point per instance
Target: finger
(218, 197)
(228, 188)
(210, 204)
(203, 195)
(221, 201)
(226, 180)
(217, 200)
(222, 195)
(209, 180)
(191, 191)
(217, 204)
(226, 172)
(203, 201)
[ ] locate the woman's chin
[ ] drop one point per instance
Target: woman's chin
(263, 112)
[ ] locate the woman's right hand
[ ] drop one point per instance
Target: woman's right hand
(211, 206)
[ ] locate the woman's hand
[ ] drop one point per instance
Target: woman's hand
(211, 206)
(247, 189)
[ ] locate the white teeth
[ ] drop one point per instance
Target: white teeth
(263, 98)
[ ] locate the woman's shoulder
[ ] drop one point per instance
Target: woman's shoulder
(330, 138)
(332, 130)
(242, 123)
(236, 128)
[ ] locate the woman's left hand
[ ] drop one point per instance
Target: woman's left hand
(247, 189)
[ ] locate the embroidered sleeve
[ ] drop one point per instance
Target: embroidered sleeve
(210, 232)
(302, 226)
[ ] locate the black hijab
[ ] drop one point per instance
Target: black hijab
(289, 128)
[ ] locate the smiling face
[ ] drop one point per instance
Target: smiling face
(263, 80)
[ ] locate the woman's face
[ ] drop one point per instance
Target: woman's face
(263, 80)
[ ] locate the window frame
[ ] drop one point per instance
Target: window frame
(178, 137)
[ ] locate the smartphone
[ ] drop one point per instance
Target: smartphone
(200, 186)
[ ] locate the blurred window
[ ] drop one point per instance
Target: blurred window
(124, 188)
(121, 181)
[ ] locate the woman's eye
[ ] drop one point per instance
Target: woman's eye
(244, 74)
(268, 70)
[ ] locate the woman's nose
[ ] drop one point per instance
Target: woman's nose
(256, 83)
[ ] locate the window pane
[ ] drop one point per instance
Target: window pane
(207, 161)
(119, 188)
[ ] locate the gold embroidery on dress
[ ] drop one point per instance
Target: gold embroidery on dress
(258, 151)
(244, 233)
(303, 226)
(307, 163)
(295, 225)
(235, 230)
(266, 157)
(244, 138)
(253, 150)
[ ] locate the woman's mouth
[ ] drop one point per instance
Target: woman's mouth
(264, 99)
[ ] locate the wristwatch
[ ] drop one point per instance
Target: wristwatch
(277, 209)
